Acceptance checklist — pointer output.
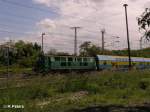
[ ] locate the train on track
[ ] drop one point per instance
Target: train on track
(99, 62)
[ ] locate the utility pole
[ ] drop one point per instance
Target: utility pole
(128, 41)
(42, 42)
(7, 49)
(103, 42)
(141, 43)
(75, 40)
(8, 60)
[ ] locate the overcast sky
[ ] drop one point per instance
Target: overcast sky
(27, 19)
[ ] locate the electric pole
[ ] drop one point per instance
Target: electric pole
(128, 41)
(103, 42)
(42, 42)
(75, 40)
(7, 48)
(7, 51)
(141, 43)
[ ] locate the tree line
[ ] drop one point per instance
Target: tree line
(19, 53)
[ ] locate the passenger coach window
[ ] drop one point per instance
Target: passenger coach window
(134, 64)
(104, 63)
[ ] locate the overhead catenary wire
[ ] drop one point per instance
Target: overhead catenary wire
(36, 34)
(2, 24)
(32, 34)
(49, 34)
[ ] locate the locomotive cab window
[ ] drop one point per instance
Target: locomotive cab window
(91, 60)
(81, 64)
(63, 58)
(75, 59)
(85, 64)
(52, 59)
(57, 58)
(63, 64)
(84, 59)
(70, 59)
(79, 59)
(88, 59)
(69, 63)
(49, 59)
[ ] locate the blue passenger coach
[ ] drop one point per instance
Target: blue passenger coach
(121, 62)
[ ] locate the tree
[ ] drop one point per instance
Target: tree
(20, 53)
(62, 54)
(144, 23)
(94, 50)
(37, 47)
(27, 53)
(84, 48)
(52, 52)
(89, 49)
(56, 53)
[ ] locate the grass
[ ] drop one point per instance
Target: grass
(65, 92)
(15, 70)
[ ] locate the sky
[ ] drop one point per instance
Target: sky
(27, 19)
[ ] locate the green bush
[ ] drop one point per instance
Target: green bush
(144, 84)
(72, 86)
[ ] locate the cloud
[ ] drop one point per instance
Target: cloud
(49, 3)
(46, 24)
(133, 0)
(45, 2)
(92, 16)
